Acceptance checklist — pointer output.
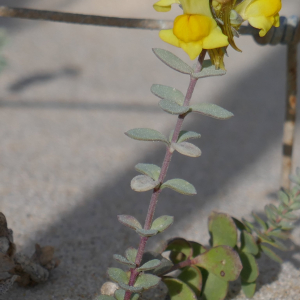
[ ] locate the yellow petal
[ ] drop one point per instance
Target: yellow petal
(169, 37)
(267, 8)
(164, 5)
(276, 21)
(262, 23)
(196, 7)
(216, 39)
(193, 49)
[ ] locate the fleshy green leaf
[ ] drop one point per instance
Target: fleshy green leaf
(105, 297)
(284, 197)
(146, 134)
(179, 245)
(222, 261)
(147, 281)
(211, 110)
(222, 230)
(250, 269)
(150, 265)
(187, 149)
(162, 223)
(249, 288)
(215, 288)
(172, 61)
(172, 107)
(271, 253)
(249, 226)
(130, 254)
(143, 183)
(181, 186)
(178, 290)
(123, 260)
(241, 226)
(151, 170)
(208, 70)
(186, 135)
(278, 233)
(261, 222)
(169, 93)
(132, 289)
(193, 278)
(271, 212)
(117, 275)
(248, 243)
(286, 225)
(148, 233)
(197, 248)
(290, 216)
(120, 294)
(129, 221)
(295, 205)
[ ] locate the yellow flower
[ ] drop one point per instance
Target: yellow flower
(193, 31)
(261, 14)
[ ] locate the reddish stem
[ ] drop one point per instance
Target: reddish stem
(163, 173)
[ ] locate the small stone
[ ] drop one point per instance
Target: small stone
(109, 288)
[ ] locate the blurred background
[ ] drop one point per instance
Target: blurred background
(68, 94)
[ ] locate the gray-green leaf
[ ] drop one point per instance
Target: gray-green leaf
(117, 275)
(172, 61)
(181, 186)
(143, 183)
(132, 289)
(146, 134)
(295, 205)
(148, 233)
(172, 107)
(150, 265)
(187, 149)
(147, 281)
(129, 221)
(123, 260)
(167, 92)
(208, 70)
(152, 171)
(162, 223)
(211, 110)
(130, 254)
(120, 294)
(186, 135)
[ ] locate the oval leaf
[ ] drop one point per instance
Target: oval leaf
(120, 294)
(197, 248)
(123, 260)
(180, 245)
(187, 149)
(130, 254)
(118, 275)
(222, 230)
(261, 222)
(215, 288)
(167, 92)
(129, 221)
(271, 254)
(143, 183)
(193, 278)
(250, 269)
(222, 261)
(295, 205)
(172, 61)
(178, 290)
(249, 288)
(151, 170)
(130, 288)
(208, 70)
(211, 110)
(146, 281)
(150, 265)
(162, 223)
(148, 233)
(181, 186)
(146, 134)
(172, 107)
(249, 244)
(186, 135)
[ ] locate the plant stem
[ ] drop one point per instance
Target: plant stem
(163, 173)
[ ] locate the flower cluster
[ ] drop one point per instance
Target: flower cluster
(212, 25)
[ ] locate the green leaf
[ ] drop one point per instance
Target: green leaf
(271, 212)
(178, 290)
(187, 149)
(211, 110)
(249, 288)
(118, 275)
(162, 223)
(105, 297)
(167, 92)
(284, 197)
(271, 253)
(172, 107)
(278, 233)
(186, 135)
(239, 224)
(295, 179)
(197, 248)
(250, 269)
(249, 226)
(181, 186)
(172, 61)
(146, 134)
(150, 265)
(295, 205)
(208, 70)
(146, 281)
(290, 216)
(123, 260)
(130, 254)
(248, 243)
(164, 266)
(132, 289)
(148, 233)
(180, 245)
(129, 221)
(143, 183)
(151, 170)
(120, 294)
(215, 288)
(286, 225)
(193, 278)
(222, 229)
(222, 261)
(262, 223)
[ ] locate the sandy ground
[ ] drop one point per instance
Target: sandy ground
(68, 94)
